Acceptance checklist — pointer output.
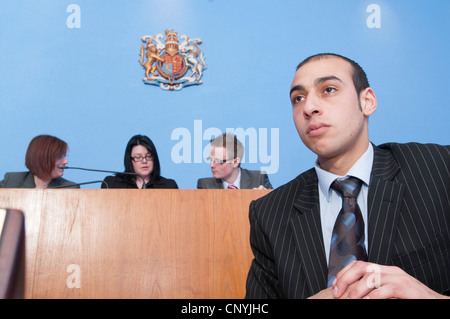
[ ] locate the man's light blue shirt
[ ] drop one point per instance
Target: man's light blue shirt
(236, 183)
(331, 202)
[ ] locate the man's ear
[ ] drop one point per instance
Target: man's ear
(237, 162)
(368, 101)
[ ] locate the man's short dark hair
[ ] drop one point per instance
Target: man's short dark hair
(360, 80)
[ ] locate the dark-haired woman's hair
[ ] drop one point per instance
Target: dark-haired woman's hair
(148, 144)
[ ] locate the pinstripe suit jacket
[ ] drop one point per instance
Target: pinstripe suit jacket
(408, 224)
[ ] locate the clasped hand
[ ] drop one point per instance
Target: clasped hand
(372, 281)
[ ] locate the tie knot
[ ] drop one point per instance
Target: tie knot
(348, 187)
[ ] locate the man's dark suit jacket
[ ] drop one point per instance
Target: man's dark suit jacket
(408, 224)
(249, 180)
(26, 180)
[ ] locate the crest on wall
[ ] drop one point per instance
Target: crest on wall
(172, 64)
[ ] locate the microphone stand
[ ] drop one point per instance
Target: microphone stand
(105, 171)
(79, 184)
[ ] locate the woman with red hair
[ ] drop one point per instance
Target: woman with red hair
(44, 158)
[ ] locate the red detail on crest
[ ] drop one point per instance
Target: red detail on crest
(176, 61)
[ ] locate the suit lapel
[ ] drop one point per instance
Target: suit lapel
(218, 184)
(307, 230)
(384, 203)
(245, 179)
(29, 181)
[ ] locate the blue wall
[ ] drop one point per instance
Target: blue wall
(84, 83)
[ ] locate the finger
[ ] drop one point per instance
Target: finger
(383, 292)
(324, 294)
(363, 287)
(351, 274)
(339, 274)
(400, 285)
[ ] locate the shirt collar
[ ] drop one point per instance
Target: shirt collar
(361, 169)
(236, 183)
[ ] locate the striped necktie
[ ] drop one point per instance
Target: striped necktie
(347, 241)
(231, 186)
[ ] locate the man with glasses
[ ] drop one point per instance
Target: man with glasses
(225, 161)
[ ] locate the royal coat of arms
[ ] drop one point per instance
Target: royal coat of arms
(172, 65)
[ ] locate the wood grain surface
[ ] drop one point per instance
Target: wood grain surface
(172, 244)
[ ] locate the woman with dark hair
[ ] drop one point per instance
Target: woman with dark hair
(141, 165)
(44, 158)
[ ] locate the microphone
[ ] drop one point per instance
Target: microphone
(79, 184)
(105, 171)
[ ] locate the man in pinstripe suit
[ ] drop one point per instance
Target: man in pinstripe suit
(404, 200)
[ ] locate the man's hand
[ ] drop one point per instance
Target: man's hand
(260, 187)
(324, 294)
(366, 280)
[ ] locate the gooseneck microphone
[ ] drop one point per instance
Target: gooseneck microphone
(105, 171)
(80, 184)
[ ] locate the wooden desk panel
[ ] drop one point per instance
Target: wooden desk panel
(134, 243)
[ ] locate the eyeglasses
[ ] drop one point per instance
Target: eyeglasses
(140, 158)
(218, 161)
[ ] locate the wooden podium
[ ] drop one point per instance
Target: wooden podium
(100, 243)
